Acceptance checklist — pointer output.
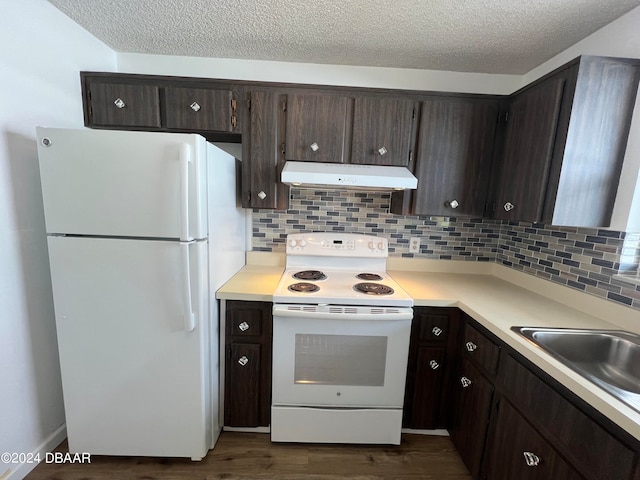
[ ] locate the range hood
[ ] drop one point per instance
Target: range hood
(349, 176)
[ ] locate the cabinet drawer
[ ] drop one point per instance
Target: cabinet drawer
(519, 452)
(593, 451)
(480, 349)
(122, 105)
(199, 109)
(433, 327)
(245, 323)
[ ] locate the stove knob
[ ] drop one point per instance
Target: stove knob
(371, 245)
(380, 246)
(293, 242)
(302, 243)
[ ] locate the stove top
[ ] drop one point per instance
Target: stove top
(339, 269)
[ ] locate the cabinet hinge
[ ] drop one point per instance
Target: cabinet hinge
(413, 114)
(248, 104)
(234, 121)
(282, 148)
(234, 104)
(284, 105)
(506, 117)
(410, 156)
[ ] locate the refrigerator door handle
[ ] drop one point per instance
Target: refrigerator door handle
(185, 158)
(189, 317)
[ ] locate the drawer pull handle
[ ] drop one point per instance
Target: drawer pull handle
(434, 365)
(382, 150)
(243, 360)
(262, 195)
(437, 331)
(453, 203)
(244, 326)
(118, 102)
(508, 206)
(471, 346)
(531, 459)
(465, 382)
(314, 147)
(195, 107)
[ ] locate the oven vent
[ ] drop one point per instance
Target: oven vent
(302, 308)
(382, 311)
(351, 310)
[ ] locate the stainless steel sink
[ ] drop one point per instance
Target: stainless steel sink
(608, 358)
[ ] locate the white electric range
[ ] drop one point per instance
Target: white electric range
(341, 332)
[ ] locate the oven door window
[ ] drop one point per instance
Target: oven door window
(356, 360)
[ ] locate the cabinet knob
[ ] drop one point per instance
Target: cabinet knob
(262, 195)
(243, 360)
(531, 459)
(453, 203)
(244, 326)
(314, 147)
(465, 382)
(118, 102)
(508, 206)
(382, 150)
(470, 346)
(437, 331)
(434, 365)
(194, 106)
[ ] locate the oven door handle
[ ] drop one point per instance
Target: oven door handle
(342, 312)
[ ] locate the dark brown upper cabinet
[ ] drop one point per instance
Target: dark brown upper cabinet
(200, 109)
(316, 127)
(532, 122)
(454, 155)
(564, 144)
(110, 104)
(263, 161)
(382, 131)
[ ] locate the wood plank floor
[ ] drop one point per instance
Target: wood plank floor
(252, 456)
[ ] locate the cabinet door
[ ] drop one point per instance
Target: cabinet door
(517, 451)
(242, 385)
(473, 397)
(455, 150)
(382, 130)
(316, 128)
(124, 105)
(260, 169)
(200, 109)
(430, 367)
(528, 147)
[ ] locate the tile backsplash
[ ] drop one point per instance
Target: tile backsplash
(581, 258)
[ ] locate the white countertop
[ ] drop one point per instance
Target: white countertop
(497, 297)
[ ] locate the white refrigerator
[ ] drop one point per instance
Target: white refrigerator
(142, 228)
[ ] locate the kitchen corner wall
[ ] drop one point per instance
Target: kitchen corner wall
(581, 258)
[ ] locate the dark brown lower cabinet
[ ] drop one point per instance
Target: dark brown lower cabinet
(432, 362)
(248, 336)
(517, 451)
(473, 395)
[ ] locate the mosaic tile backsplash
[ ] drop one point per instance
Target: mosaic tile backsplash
(581, 258)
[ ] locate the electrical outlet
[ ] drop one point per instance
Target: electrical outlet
(414, 245)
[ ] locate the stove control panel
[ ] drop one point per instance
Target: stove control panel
(337, 244)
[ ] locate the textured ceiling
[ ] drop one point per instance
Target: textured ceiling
(493, 36)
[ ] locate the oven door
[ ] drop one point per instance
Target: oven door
(340, 356)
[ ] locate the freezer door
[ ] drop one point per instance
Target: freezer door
(135, 365)
(129, 184)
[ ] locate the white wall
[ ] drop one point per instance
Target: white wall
(620, 38)
(42, 52)
(307, 73)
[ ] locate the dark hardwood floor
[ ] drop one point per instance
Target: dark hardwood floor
(252, 456)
